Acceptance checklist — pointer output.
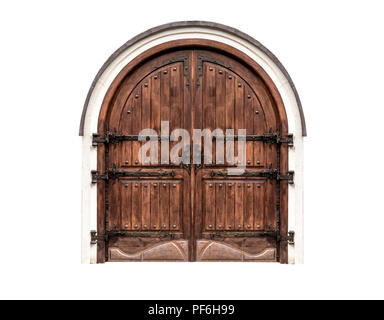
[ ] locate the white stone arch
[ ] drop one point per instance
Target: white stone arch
(195, 30)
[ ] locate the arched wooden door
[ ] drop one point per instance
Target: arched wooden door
(162, 211)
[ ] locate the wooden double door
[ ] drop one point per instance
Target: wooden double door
(188, 211)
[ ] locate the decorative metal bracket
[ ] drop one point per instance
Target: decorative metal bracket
(290, 238)
(95, 238)
(289, 176)
(184, 60)
(201, 59)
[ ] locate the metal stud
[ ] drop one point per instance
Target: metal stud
(210, 185)
(126, 185)
(155, 185)
(220, 185)
(249, 226)
(155, 77)
(210, 226)
(230, 185)
(174, 69)
(154, 226)
(126, 226)
(164, 185)
(136, 161)
(220, 72)
(126, 162)
(210, 69)
(136, 226)
(129, 111)
(220, 226)
(248, 185)
(174, 226)
(164, 226)
(249, 161)
(145, 186)
(230, 226)
(239, 85)
(145, 84)
(136, 185)
(174, 185)
(258, 161)
(145, 226)
(239, 225)
(249, 96)
(258, 226)
(165, 72)
(136, 96)
(257, 112)
(259, 185)
(230, 77)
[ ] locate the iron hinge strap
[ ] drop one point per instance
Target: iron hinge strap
(271, 174)
(267, 137)
(112, 174)
(95, 237)
(289, 238)
(112, 137)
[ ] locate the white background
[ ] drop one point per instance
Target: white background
(49, 54)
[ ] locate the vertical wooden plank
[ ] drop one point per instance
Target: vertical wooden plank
(126, 128)
(164, 205)
(239, 111)
(259, 205)
(269, 204)
(175, 206)
(175, 99)
(209, 103)
(220, 205)
(146, 205)
(155, 105)
(165, 113)
(249, 206)
(259, 129)
(249, 114)
(155, 214)
(209, 205)
(126, 205)
(239, 205)
(114, 204)
(220, 112)
(230, 206)
(137, 210)
(136, 125)
(146, 110)
(229, 109)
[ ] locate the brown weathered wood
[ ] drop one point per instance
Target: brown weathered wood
(191, 205)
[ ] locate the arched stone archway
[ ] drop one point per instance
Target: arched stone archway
(188, 36)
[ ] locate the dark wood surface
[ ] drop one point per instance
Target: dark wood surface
(230, 91)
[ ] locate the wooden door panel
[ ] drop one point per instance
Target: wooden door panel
(149, 210)
(237, 204)
(228, 96)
